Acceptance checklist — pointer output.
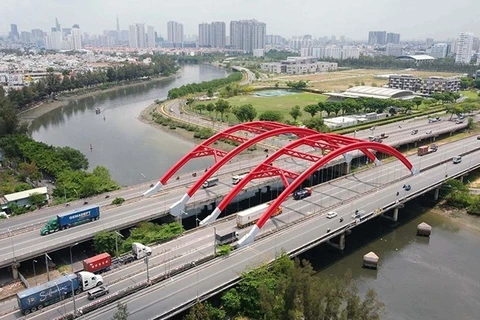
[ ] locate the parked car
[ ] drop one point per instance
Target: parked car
(97, 292)
(331, 215)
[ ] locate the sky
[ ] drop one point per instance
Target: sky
(413, 19)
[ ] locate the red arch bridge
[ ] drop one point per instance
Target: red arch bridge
(248, 134)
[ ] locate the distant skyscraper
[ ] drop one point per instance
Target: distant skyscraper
(464, 48)
(14, 35)
(377, 37)
(150, 37)
(76, 38)
(204, 34)
(175, 32)
(57, 25)
(438, 50)
(393, 38)
(118, 25)
(247, 35)
(212, 35)
(136, 36)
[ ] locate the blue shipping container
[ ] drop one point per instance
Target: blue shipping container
(73, 217)
(29, 300)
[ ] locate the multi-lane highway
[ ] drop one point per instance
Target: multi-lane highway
(370, 190)
(28, 244)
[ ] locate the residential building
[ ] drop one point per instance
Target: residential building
(76, 38)
(212, 35)
(425, 86)
(54, 40)
(14, 35)
(464, 48)
(377, 37)
(438, 50)
(299, 65)
(136, 36)
(274, 39)
(204, 34)
(22, 199)
(247, 35)
(174, 32)
(26, 36)
(350, 52)
(395, 50)
(150, 37)
(393, 38)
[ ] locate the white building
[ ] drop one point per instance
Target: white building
(76, 38)
(464, 48)
(438, 50)
(299, 65)
(150, 37)
(258, 53)
(333, 52)
(136, 35)
(174, 32)
(395, 50)
(22, 198)
(54, 40)
(247, 35)
(350, 52)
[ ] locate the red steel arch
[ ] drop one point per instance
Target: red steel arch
(248, 238)
(204, 149)
(323, 141)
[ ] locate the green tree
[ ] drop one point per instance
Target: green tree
(104, 241)
(271, 115)
(245, 113)
(418, 101)
(297, 85)
(122, 312)
(222, 106)
(312, 109)
(295, 113)
(205, 311)
(210, 107)
(36, 199)
(316, 124)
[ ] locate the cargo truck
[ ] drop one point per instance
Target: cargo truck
(226, 238)
(70, 219)
(33, 299)
(251, 215)
(210, 183)
(427, 149)
(238, 177)
(139, 251)
(98, 264)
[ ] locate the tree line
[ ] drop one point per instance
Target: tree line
(291, 290)
(54, 83)
(205, 86)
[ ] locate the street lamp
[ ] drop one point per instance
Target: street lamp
(71, 257)
(46, 264)
(34, 271)
(74, 304)
(116, 241)
(148, 270)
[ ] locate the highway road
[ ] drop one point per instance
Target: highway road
(360, 188)
(29, 244)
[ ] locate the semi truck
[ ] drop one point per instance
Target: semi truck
(210, 183)
(238, 177)
(226, 238)
(139, 251)
(33, 299)
(98, 264)
(70, 219)
(427, 149)
(251, 215)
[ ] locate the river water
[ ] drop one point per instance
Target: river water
(134, 152)
(418, 278)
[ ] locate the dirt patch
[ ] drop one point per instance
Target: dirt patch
(460, 217)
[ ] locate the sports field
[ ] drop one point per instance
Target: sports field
(282, 103)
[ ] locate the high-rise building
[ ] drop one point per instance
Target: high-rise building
(14, 35)
(377, 37)
(393, 38)
(54, 41)
(438, 50)
(175, 32)
(26, 36)
(218, 34)
(57, 25)
(204, 34)
(393, 49)
(247, 35)
(150, 37)
(76, 37)
(136, 35)
(464, 48)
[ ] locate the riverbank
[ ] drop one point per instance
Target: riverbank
(30, 114)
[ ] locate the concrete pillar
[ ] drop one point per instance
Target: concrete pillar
(436, 194)
(349, 167)
(15, 270)
(341, 242)
(434, 139)
(370, 260)
(394, 216)
(461, 178)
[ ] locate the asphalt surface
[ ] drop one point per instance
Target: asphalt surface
(368, 191)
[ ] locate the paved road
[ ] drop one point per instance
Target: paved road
(363, 186)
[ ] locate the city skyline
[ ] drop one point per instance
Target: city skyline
(335, 20)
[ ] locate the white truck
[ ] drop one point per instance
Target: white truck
(238, 177)
(139, 251)
(210, 183)
(251, 215)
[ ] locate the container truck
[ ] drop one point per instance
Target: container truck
(238, 177)
(427, 149)
(70, 219)
(226, 238)
(251, 215)
(33, 299)
(139, 251)
(98, 264)
(210, 183)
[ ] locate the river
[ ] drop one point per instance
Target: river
(134, 152)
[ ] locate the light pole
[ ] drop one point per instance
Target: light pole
(46, 265)
(73, 298)
(34, 271)
(214, 241)
(148, 271)
(116, 241)
(71, 257)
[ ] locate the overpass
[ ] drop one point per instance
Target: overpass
(302, 225)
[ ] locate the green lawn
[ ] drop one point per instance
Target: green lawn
(469, 94)
(281, 103)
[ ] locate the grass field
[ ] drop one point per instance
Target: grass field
(470, 94)
(281, 103)
(342, 80)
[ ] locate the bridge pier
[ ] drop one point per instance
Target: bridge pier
(394, 216)
(341, 242)
(436, 194)
(15, 272)
(461, 178)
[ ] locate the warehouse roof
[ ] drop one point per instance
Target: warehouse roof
(25, 194)
(416, 57)
(373, 92)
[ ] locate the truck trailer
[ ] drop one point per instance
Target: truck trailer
(210, 183)
(98, 264)
(33, 299)
(427, 149)
(251, 215)
(226, 238)
(70, 219)
(139, 251)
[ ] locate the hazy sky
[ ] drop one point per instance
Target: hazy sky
(413, 19)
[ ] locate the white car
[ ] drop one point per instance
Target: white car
(428, 132)
(331, 215)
